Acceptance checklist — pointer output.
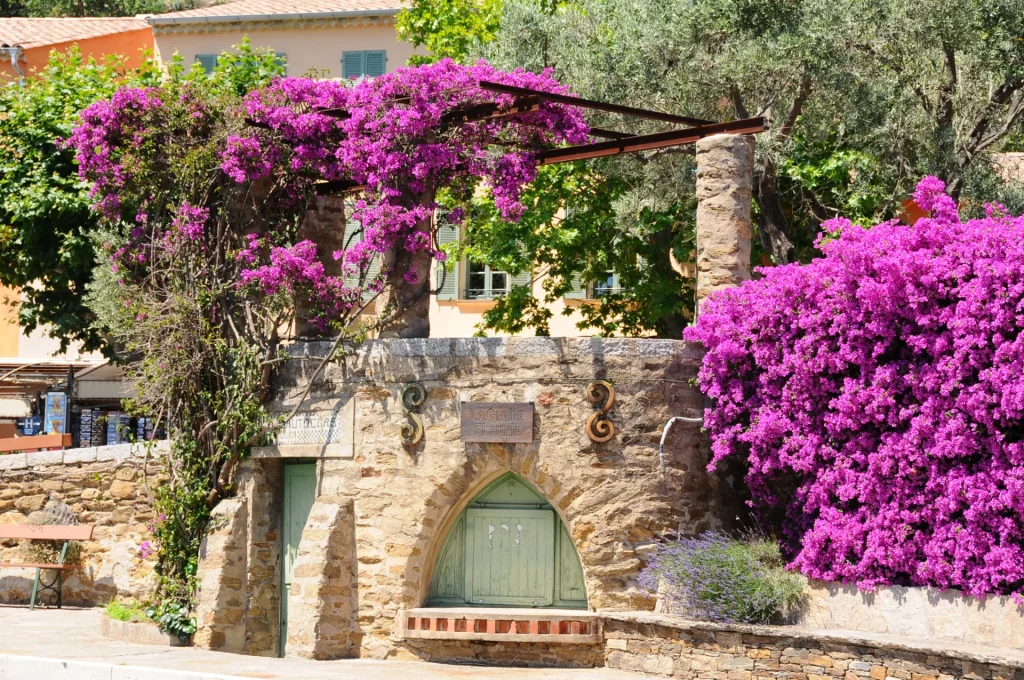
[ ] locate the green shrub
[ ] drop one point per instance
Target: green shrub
(128, 610)
(715, 577)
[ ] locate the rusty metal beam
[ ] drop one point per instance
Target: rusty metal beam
(489, 111)
(657, 140)
(592, 104)
(610, 134)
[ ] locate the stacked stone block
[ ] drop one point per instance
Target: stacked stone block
(669, 647)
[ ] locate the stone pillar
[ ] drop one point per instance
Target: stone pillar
(321, 605)
(324, 225)
(261, 482)
(220, 599)
(725, 176)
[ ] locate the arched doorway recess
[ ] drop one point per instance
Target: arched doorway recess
(508, 548)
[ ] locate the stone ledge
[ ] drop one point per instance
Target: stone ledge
(960, 651)
(551, 626)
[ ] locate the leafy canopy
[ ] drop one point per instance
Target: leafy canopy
(861, 98)
(45, 221)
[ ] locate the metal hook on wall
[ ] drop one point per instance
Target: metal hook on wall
(412, 397)
(599, 428)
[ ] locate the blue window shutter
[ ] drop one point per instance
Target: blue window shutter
(353, 65)
(376, 63)
(207, 61)
(449, 289)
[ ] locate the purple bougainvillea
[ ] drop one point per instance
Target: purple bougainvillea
(877, 394)
(402, 136)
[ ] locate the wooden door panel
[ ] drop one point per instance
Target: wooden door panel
(510, 555)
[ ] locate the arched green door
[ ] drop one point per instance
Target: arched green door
(508, 548)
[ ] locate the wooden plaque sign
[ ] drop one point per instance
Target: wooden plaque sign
(497, 423)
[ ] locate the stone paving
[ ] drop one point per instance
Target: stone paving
(72, 635)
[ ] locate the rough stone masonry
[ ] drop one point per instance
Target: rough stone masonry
(383, 509)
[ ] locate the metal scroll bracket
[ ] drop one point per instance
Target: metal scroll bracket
(412, 397)
(601, 394)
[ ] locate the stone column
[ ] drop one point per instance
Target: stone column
(324, 225)
(261, 482)
(321, 609)
(725, 176)
(221, 600)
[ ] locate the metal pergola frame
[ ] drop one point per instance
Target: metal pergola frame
(528, 100)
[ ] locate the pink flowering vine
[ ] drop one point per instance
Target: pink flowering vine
(876, 397)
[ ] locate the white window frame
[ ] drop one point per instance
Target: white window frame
(487, 292)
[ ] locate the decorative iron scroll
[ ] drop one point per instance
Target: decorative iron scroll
(599, 428)
(412, 396)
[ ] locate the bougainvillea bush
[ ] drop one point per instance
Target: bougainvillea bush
(204, 184)
(877, 397)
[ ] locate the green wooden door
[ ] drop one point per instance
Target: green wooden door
(299, 494)
(510, 556)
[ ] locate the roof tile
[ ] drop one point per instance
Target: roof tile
(40, 32)
(241, 8)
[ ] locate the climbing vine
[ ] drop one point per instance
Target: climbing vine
(203, 191)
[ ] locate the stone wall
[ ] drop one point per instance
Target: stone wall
(670, 647)
(921, 612)
(108, 487)
(614, 498)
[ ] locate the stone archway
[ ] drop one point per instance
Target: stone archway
(508, 547)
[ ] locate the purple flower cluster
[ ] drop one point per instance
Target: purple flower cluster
(394, 135)
(403, 136)
(876, 394)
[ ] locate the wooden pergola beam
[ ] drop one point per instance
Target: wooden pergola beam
(592, 104)
(657, 140)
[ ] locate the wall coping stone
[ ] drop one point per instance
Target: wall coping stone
(484, 348)
(115, 452)
(962, 651)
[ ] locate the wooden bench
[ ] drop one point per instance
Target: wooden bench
(46, 532)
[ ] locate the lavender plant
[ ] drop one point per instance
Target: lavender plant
(715, 577)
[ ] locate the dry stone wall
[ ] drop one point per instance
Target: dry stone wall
(669, 647)
(108, 487)
(615, 497)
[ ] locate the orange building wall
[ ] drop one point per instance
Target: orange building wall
(130, 45)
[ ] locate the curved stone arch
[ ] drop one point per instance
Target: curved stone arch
(450, 498)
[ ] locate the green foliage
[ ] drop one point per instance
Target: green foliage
(725, 578)
(572, 238)
(448, 28)
(45, 219)
(126, 610)
(173, 618)
(189, 363)
(861, 99)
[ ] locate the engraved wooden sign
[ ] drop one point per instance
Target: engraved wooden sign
(490, 422)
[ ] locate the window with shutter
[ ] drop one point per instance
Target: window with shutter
(353, 235)
(207, 61)
(376, 62)
(523, 279)
(447, 272)
(579, 289)
(353, 65)
(281, 59)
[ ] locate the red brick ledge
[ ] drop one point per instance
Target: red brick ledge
(552, 626)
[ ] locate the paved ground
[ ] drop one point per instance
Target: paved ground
(72, 635)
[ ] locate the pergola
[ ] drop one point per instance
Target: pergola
(617, 142)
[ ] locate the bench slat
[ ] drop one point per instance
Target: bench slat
(40, 566)
(47, 532)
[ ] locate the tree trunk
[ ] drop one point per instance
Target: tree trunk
(406, 301)
(771, 220)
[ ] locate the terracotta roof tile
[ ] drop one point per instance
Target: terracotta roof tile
(39, 32)
(242, 8)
